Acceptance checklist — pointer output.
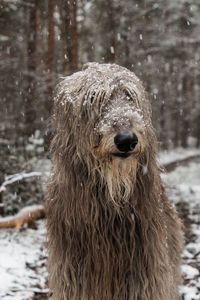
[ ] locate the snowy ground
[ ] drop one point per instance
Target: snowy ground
(22, 255)
(22, 262)
(184, 191)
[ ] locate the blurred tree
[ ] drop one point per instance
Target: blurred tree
(69, 27)
(108, 30)
(30, 112)
(50, 54)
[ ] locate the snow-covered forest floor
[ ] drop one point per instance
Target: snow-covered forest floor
(23, 272)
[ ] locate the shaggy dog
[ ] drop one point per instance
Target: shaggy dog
(113, 235)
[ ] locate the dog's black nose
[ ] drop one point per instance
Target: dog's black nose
(126, 141)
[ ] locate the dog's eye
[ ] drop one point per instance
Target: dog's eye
(115, 125)
(128, 96)
(92, 98)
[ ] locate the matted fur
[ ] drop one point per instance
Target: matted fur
(112, 233)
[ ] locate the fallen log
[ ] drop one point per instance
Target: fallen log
(169, 167)
(28, 215)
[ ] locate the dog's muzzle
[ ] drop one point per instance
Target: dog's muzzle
(125, 143)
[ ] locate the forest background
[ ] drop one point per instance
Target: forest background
(40, 41)
(43, 40)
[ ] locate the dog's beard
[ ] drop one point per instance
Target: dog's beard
(118, 174)
(120, 177)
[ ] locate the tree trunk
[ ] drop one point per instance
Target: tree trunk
(30, 113)
(187, 85)
(162, 124)
(111, 51)
(70, 35)
(50, 54)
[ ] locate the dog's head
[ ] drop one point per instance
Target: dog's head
(104, 117)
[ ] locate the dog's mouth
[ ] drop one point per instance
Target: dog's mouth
(122, 154)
